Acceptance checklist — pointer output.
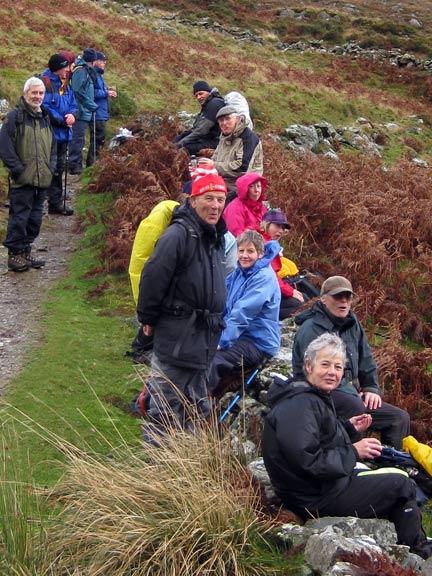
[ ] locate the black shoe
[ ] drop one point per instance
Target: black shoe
(18, 263)
(63, 210)
(75, 171)
(33, 262)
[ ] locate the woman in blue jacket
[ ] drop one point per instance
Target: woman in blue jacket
(251, 316)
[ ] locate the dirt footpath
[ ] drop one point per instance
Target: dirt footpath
(23, 294)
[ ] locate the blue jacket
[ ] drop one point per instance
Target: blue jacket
(83, 78)
(101, 95)
(58, 105)
(252, 307)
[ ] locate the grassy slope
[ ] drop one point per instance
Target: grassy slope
(156, 69)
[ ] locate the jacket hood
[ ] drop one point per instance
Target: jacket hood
(283, 388)
(271, 250)
(243, 183)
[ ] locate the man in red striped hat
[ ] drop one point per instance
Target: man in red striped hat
(181, 301)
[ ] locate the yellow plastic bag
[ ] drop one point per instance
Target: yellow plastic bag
(422, 453)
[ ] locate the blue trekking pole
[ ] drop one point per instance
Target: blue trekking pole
(238, 396)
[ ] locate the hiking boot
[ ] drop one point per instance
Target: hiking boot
(33, 262)
(18, 263)
(60, 209)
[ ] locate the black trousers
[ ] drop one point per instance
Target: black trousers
(242, 353)
(391, 422)
(375, 494)
(25, 218)
(55, 191)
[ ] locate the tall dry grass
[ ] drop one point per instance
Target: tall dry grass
(184, 508)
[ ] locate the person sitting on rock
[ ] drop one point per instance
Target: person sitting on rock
(252, 333)
(274, 226)
(239, 150)
(359, 390)
(247, 210)
(205, 131)
(311, 459)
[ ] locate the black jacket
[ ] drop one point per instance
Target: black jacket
(182, 290)
(206, 128)
(360, 369)
(307, 451)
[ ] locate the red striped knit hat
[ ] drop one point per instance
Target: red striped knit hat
(209, 183)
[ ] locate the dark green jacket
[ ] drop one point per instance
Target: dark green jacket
(360, 369)
(28, 147)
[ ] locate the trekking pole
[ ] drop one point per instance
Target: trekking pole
(94, 137)
(238, 396)
(66, 169)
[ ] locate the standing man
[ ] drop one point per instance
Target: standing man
(28, 150)
(239, 150)
(101, 95)
(359, 391)
(83, 80)
(61, 106)
(181, 301)
(205, 131)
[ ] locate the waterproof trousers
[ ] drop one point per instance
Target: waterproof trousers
(383, 493)
(25, 218)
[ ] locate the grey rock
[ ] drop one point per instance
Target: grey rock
(344, 569)
(287, 13)
(420, 162)
(415, 23)
(4, 106)
(323, 550)
(304, 137)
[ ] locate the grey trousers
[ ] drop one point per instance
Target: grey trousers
(178, 396)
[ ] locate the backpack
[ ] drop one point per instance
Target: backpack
(239, 102)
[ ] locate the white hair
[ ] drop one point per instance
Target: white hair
(33, 81)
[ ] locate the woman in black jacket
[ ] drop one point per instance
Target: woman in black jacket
(311, 459)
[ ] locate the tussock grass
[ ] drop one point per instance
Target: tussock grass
(186, 507)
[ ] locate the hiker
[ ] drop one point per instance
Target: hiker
(247, 210)
(239, 150)
(274, 226)
(28, 150)
(205, 131)
(82, 82)
(311, 456)
(181, 300)
(102, 94)
(359, 391)
(70, 57)
(252, 333)
(61, 106)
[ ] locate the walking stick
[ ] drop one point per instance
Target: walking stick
(238, 396)
(94, 137)
(65, 178)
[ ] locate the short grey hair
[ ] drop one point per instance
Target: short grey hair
(33, 81)
(326, 340)
(251, 237)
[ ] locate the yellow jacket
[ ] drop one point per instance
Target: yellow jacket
(145, 239)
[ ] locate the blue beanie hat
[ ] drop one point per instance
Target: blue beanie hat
(89, 55)
(201, 86)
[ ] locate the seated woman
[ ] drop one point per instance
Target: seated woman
(252, 332)
(311, 460)
(274, 226)
(246, 211)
